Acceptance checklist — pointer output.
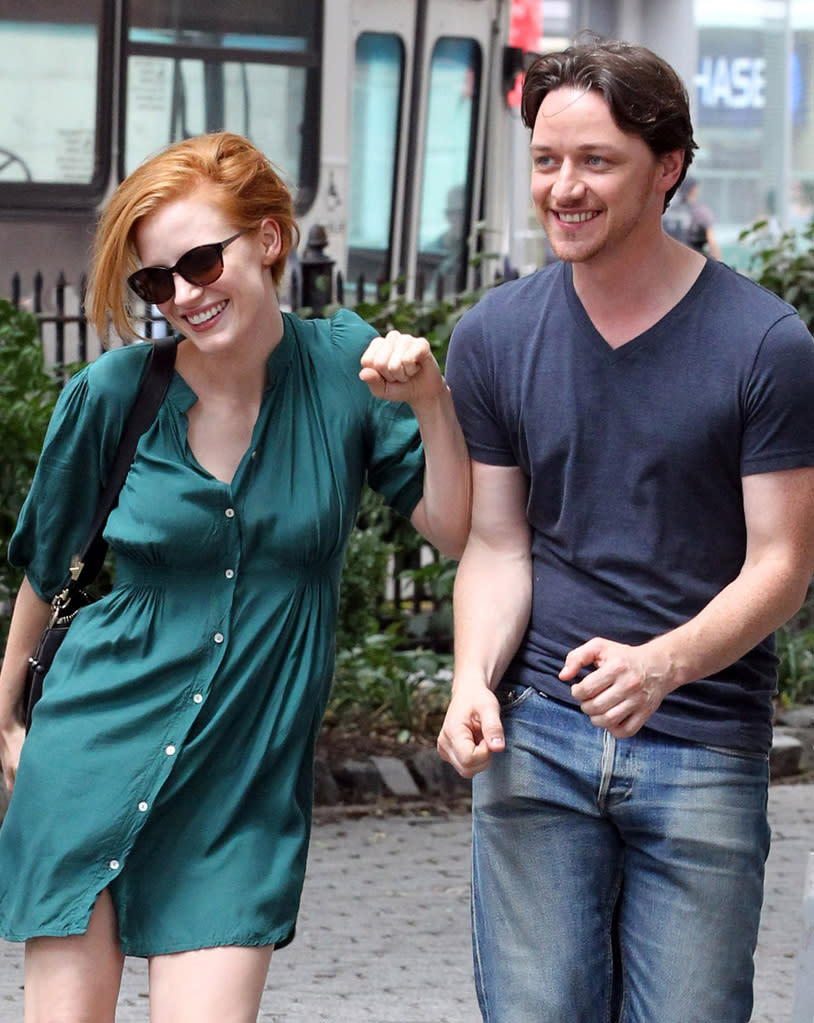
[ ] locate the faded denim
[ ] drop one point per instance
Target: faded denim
(614, 881)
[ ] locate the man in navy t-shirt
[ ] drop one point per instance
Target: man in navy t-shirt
(642, 436)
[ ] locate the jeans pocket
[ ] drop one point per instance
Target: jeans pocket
(510, 695)
(737, 754)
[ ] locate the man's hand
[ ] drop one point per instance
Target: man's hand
(471, 732)
(400, 367)
(623, 691)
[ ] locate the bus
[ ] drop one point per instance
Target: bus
(389, 119)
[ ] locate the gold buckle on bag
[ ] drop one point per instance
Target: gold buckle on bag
(60, 601)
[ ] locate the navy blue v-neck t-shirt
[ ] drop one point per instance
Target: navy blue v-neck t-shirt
(635, 457)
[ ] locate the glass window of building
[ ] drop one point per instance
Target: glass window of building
(444, 226)
(754, 115)
(205, 66)
(377, 93)
(51, 83)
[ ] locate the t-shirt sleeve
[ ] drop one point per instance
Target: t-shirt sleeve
(79, 446)
(394, 452)
(472, 378)
(779, 414)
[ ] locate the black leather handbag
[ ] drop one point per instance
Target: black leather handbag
(86, 565)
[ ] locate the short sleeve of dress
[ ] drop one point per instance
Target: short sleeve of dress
(79, 445)
(395, 454)
(471, 375)
(779, 424)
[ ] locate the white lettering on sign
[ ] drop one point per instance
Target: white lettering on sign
(738, 83)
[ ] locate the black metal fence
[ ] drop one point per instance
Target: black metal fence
(313, 284)
(64, 329)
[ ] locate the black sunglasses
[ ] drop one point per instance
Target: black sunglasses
(200, 266)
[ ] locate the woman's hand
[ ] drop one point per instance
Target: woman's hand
(12, 737)
(400, 367)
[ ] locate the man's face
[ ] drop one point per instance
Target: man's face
(597, 191)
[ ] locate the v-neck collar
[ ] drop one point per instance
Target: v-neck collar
(663, 327)
(183, 397)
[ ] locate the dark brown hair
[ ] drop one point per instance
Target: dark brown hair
(644, 94)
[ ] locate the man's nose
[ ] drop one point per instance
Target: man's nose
(568, 183)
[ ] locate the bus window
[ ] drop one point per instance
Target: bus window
(455, 73)
(202, 66)
(377, 84)
(50, 84)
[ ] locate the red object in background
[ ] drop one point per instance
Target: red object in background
(526, 24)
(525, 30)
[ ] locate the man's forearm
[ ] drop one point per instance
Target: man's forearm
(759, 600)
(492, 603)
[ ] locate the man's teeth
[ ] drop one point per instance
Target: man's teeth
(576, 218)
(200, 318)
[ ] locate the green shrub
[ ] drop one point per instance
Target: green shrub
(27, 396)
(795, 648)
(381, 688)
(784, 264)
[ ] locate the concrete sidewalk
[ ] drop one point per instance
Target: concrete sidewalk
(383, 935)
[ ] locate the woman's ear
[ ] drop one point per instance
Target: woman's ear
(270, 240)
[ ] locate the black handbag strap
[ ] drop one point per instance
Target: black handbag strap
(155, 382)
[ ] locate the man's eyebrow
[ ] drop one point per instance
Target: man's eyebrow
(584, 147)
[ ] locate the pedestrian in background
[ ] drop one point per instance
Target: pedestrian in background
(690, 221)
(162, 798)
(640, 422)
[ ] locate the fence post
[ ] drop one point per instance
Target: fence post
(316, 270)
(82, 324)
(803, 1007)
(59, 351)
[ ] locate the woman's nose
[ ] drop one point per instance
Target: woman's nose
(185, 291)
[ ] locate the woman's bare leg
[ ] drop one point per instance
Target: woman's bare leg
(209, 985)
(76, 979)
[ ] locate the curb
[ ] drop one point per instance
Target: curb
(419, 776)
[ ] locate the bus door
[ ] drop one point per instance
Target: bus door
(417, 137)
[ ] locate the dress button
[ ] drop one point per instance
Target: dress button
(230, 573)
(229, 513)
(142, 807)
(170, 751)
(197, 698)
(114, 864)
(218, 637)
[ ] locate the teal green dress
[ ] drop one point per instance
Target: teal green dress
(170, 758)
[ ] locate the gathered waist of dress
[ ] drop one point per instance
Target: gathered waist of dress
(138, 574)
(133, 573)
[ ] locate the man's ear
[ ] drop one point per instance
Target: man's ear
(270, 240)
(671, 166)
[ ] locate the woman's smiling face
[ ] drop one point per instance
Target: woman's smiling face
(238, 304)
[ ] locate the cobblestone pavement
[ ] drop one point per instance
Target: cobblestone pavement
(383, 935)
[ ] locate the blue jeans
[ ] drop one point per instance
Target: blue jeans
(614, 880)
